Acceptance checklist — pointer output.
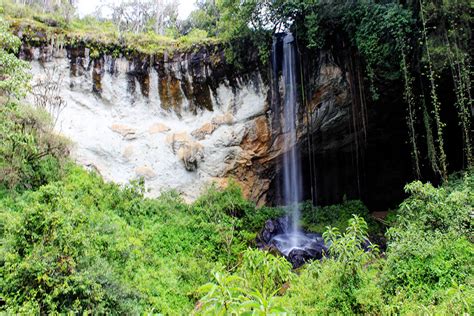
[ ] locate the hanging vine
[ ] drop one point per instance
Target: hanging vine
(411, 115)
(441, 154)
(431, 149)
(462, 88)
(309, 119)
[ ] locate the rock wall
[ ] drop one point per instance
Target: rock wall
(180, 121)
(352, 147)
(186, 120)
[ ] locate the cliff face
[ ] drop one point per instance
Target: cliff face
(186, 120)
(180, 122)
(351, 146)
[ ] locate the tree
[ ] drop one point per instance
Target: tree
(205, 17)
(65, 8)
(144, 15)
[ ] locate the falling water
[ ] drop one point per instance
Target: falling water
(292, 186)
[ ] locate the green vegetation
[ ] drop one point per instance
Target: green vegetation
(318, 218)
(82, 244)
(13, 75)
(426, 269)
(30, 153)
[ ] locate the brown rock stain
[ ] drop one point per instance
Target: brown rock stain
(169, 89)
(204, 130)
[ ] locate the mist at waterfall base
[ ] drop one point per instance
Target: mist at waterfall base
(289, 239)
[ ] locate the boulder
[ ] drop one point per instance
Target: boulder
(145, 172)
(177, 140)
(272, 228)
(204, 130)
(298, 257)
(257, 137)
(191, 153)
(316, 250)
(128, 152)
(127, 132)
(158, 128)
(224, 119)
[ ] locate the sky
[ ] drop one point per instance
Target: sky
(88, 6)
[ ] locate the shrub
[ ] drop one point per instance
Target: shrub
(217, 204)
(338, 285)
(194, 37)
(14, 75)
(317, 218)
(30, 153)
(53, 259)
(251, 290)
(350, 247)
(429, 256)
(439, 209)
(425, 265)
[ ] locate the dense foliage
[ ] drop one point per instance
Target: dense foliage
(426, 269)
(30, 153)
(82, 244)
(13, 76)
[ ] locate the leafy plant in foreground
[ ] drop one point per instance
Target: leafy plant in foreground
(350, 247)
(252, 290)
(340, 283)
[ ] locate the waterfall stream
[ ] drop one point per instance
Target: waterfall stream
(287, 235)
(292, 186)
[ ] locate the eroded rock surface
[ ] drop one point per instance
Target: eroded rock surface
(190, 118)
(179, 122)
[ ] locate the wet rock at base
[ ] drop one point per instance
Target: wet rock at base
(277, 237)
(272, 228)
(298, 257)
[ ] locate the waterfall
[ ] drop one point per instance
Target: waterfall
(292, 184)
(285, 233)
